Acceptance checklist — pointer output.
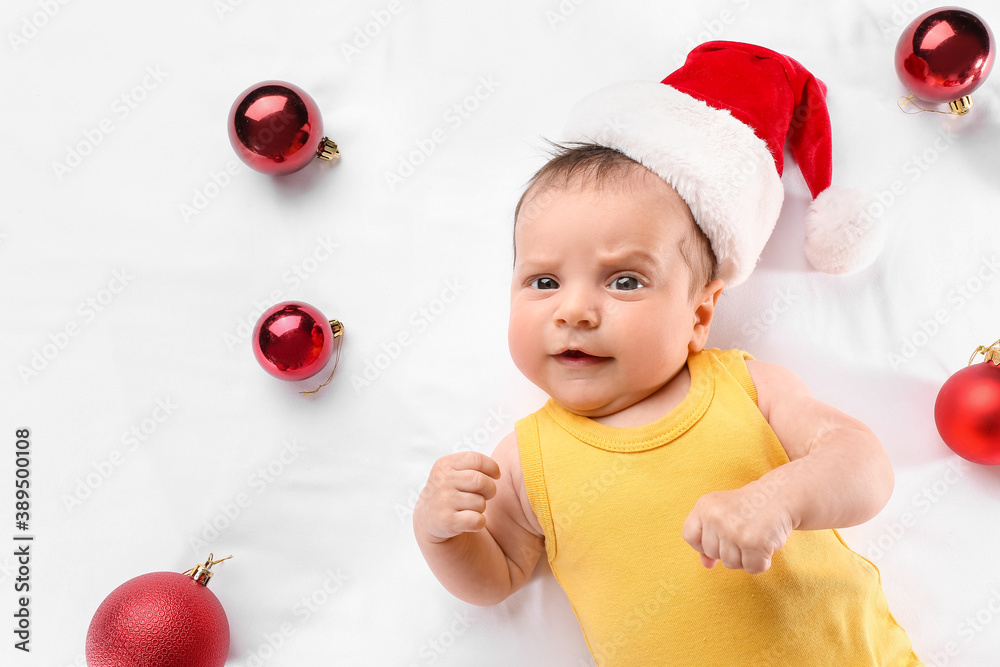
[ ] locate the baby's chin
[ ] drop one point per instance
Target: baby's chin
(593, 407)
(598, 406)
(586, 398)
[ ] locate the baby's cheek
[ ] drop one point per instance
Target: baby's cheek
(526, 344)
(516, 335)
(654, 355)
(518, 341)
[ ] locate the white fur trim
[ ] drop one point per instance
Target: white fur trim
(842, 234)
(717, 164)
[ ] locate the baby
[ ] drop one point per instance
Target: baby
(655, 458)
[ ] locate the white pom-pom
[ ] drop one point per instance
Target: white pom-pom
(843, 233)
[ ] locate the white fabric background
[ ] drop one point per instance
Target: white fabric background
(325, 568)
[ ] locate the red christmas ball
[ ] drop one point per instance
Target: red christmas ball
(967, 413)
(161, 619)
(293, 340)
(276, 128)
(945, 54)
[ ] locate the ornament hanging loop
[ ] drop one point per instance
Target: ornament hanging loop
(202, 573)
(959, 107)
(338, 332)
(991, 353)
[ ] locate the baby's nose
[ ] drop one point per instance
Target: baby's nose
(578, 308)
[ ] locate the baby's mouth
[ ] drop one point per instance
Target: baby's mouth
(574, 357)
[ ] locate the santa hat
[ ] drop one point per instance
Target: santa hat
(715, 131)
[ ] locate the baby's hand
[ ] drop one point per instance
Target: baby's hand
(454, 499)
(742, 528)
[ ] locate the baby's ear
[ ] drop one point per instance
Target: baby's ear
(704, 310)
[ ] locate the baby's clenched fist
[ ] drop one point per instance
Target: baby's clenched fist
(742, 528)
(454, 498)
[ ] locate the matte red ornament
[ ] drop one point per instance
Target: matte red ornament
(944, 55)
(161, 619)
(967, 410)
(275, 127)
(294, 341)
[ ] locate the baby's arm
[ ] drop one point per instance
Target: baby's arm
(838, 476)
(474, 526)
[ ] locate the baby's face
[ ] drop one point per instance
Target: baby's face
(600, 313)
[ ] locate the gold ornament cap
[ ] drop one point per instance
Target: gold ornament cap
(961, 106)
(202, 573)
(991, 353)
(327, 150)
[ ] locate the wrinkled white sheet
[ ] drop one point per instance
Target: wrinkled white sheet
(132, 273)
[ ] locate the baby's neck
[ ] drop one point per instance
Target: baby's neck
(653, 407)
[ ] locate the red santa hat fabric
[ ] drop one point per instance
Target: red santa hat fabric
(715, 130)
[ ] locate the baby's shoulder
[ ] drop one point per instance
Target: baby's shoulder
(508, 456)
(774, 384)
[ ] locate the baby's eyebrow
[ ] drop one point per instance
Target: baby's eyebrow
(536, 260)
(634, 257)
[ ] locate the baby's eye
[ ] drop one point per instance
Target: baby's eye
(544, 283)
(626, 283)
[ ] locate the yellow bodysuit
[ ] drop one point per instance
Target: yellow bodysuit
(612, 502)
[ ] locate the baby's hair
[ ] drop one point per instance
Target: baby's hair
(600, 166)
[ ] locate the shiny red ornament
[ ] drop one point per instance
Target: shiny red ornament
(967, 410)
(161, 619)
(276, 128)
(293, 340)
(944, 55)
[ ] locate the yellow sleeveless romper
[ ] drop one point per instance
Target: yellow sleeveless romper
(612, 502)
